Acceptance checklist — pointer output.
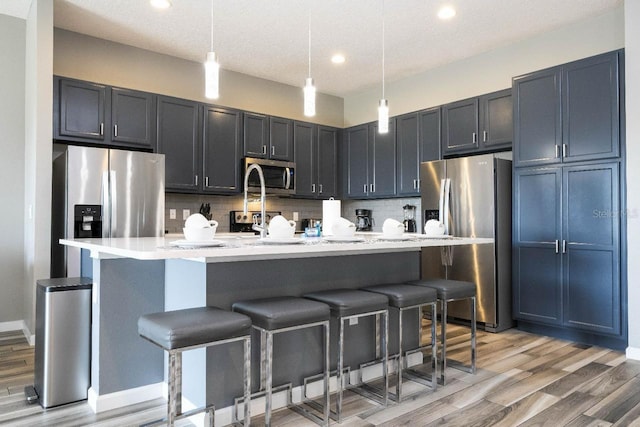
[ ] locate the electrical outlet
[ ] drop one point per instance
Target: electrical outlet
(172, 214)
(295, 216)
(353, 321)
(185, 214)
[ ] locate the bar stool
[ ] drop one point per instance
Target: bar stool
(348, 304)
(453, 290)
(182, 330)
(404, 297)
(277, 315)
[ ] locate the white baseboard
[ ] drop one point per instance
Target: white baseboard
(18, 325)
(633, 353)
(122, 398)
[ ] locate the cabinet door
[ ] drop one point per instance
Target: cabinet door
(382, 160)
(429, 137)
(280, 139)
(460, 126)
(537, 263)
(327, 142)
(537, 129)
(305, 174)
(256, 135)
(179, 141)
(356, 155)
(591, 247)
(221, 151)
(132, 117)
(591, 115)
(496, 116)
(82, 110)
(408, 156)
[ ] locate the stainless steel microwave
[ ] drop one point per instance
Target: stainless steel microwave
(279, 176)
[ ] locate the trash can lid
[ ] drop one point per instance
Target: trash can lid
(65, 284)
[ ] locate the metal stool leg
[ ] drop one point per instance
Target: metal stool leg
(400, 366)
(434, 345)
(268, 378)
(174, 401)
(443, 341)
(339, 377)
(473, 335)
(385, 355)
(327, 369)
(247, 382)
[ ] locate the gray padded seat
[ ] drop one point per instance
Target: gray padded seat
(401, 295)
(448, 289)
(282, 312)
(194, 326)
(347, 302)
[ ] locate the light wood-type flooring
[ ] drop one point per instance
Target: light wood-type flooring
(522, 380)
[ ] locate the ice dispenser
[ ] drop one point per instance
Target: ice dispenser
(87, 221)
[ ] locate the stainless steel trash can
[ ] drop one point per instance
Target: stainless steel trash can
(63, 340)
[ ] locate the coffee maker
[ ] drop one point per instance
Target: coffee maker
(364, 221)
(409, 218)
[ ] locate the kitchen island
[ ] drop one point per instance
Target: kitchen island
(135, 276)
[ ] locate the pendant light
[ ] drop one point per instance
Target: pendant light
(309, 88)
(211, 69)
(383, 106)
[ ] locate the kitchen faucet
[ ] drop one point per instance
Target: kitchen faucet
(262, 227)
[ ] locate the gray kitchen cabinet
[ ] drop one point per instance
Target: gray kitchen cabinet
(316, 158)
(221, 150)
(95, 114)
(179, 140)
(566, 246)
(478, 125)
(370, 161)
(267, 137)
(418, 140)
(568, 113)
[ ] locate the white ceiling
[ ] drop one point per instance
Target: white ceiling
(268, 39)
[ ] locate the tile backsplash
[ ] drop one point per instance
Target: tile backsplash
(221, 205)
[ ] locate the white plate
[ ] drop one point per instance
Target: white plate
(280, 240)
(395, 238)
(429, 236)
(196, 244)
(337, 239)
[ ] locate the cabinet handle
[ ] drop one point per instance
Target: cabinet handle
(273, 150)
(115, 130)
(414, 184)
(564, 150)
(320, 189)
(557, 246)
(101, 129)
(372, 188)
(206, 181)
(475, 138)
(364, 190)
(484, 136)
(264, 149)
(557, 151)
(418, 181)
(196, 180)
(564, 246)
(313, 188)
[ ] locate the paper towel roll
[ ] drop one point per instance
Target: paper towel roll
(330, 212)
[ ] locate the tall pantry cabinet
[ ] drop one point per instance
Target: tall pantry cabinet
(569, 205)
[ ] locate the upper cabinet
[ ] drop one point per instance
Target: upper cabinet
(568, 113)
(222, 150)
(91, 113)
(316, 150)
(417, 140)
(478, 124)
(268, 137)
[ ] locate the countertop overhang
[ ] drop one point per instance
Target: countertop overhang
(248, 248)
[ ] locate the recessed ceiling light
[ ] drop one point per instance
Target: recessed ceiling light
(338, 58)
(446, 12)
(160, 4)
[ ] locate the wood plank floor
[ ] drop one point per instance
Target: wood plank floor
(522, 380)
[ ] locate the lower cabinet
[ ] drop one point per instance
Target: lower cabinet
(316, 160)
(567, 247)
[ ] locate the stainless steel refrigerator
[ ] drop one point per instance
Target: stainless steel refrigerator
(472, 197)
(99, 192)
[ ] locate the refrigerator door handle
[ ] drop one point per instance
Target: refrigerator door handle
(447, 196)
(113, 203)
(106, 213)
(441, 201)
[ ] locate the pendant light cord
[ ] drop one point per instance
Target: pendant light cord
(309, 38)
(211, 26)
(383, 49)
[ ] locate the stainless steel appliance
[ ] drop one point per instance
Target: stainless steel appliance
(63, 337)
(279, 176)
(99, 192)
(364, 220)
(472, 197)
(241, 223)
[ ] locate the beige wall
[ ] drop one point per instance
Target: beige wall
(92, 59)
(12, 55)
(490, 71)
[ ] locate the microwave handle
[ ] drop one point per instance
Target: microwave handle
(287, 178)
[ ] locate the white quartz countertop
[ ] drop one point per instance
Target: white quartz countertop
(248, 247)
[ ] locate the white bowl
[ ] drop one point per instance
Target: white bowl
(199, 234)
(342, 227)
(434, 228)
(281, 228)
(196, 221)
(392, 227)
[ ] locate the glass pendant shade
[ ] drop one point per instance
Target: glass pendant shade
(309, 98)
(212, 76)
(383, 116)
